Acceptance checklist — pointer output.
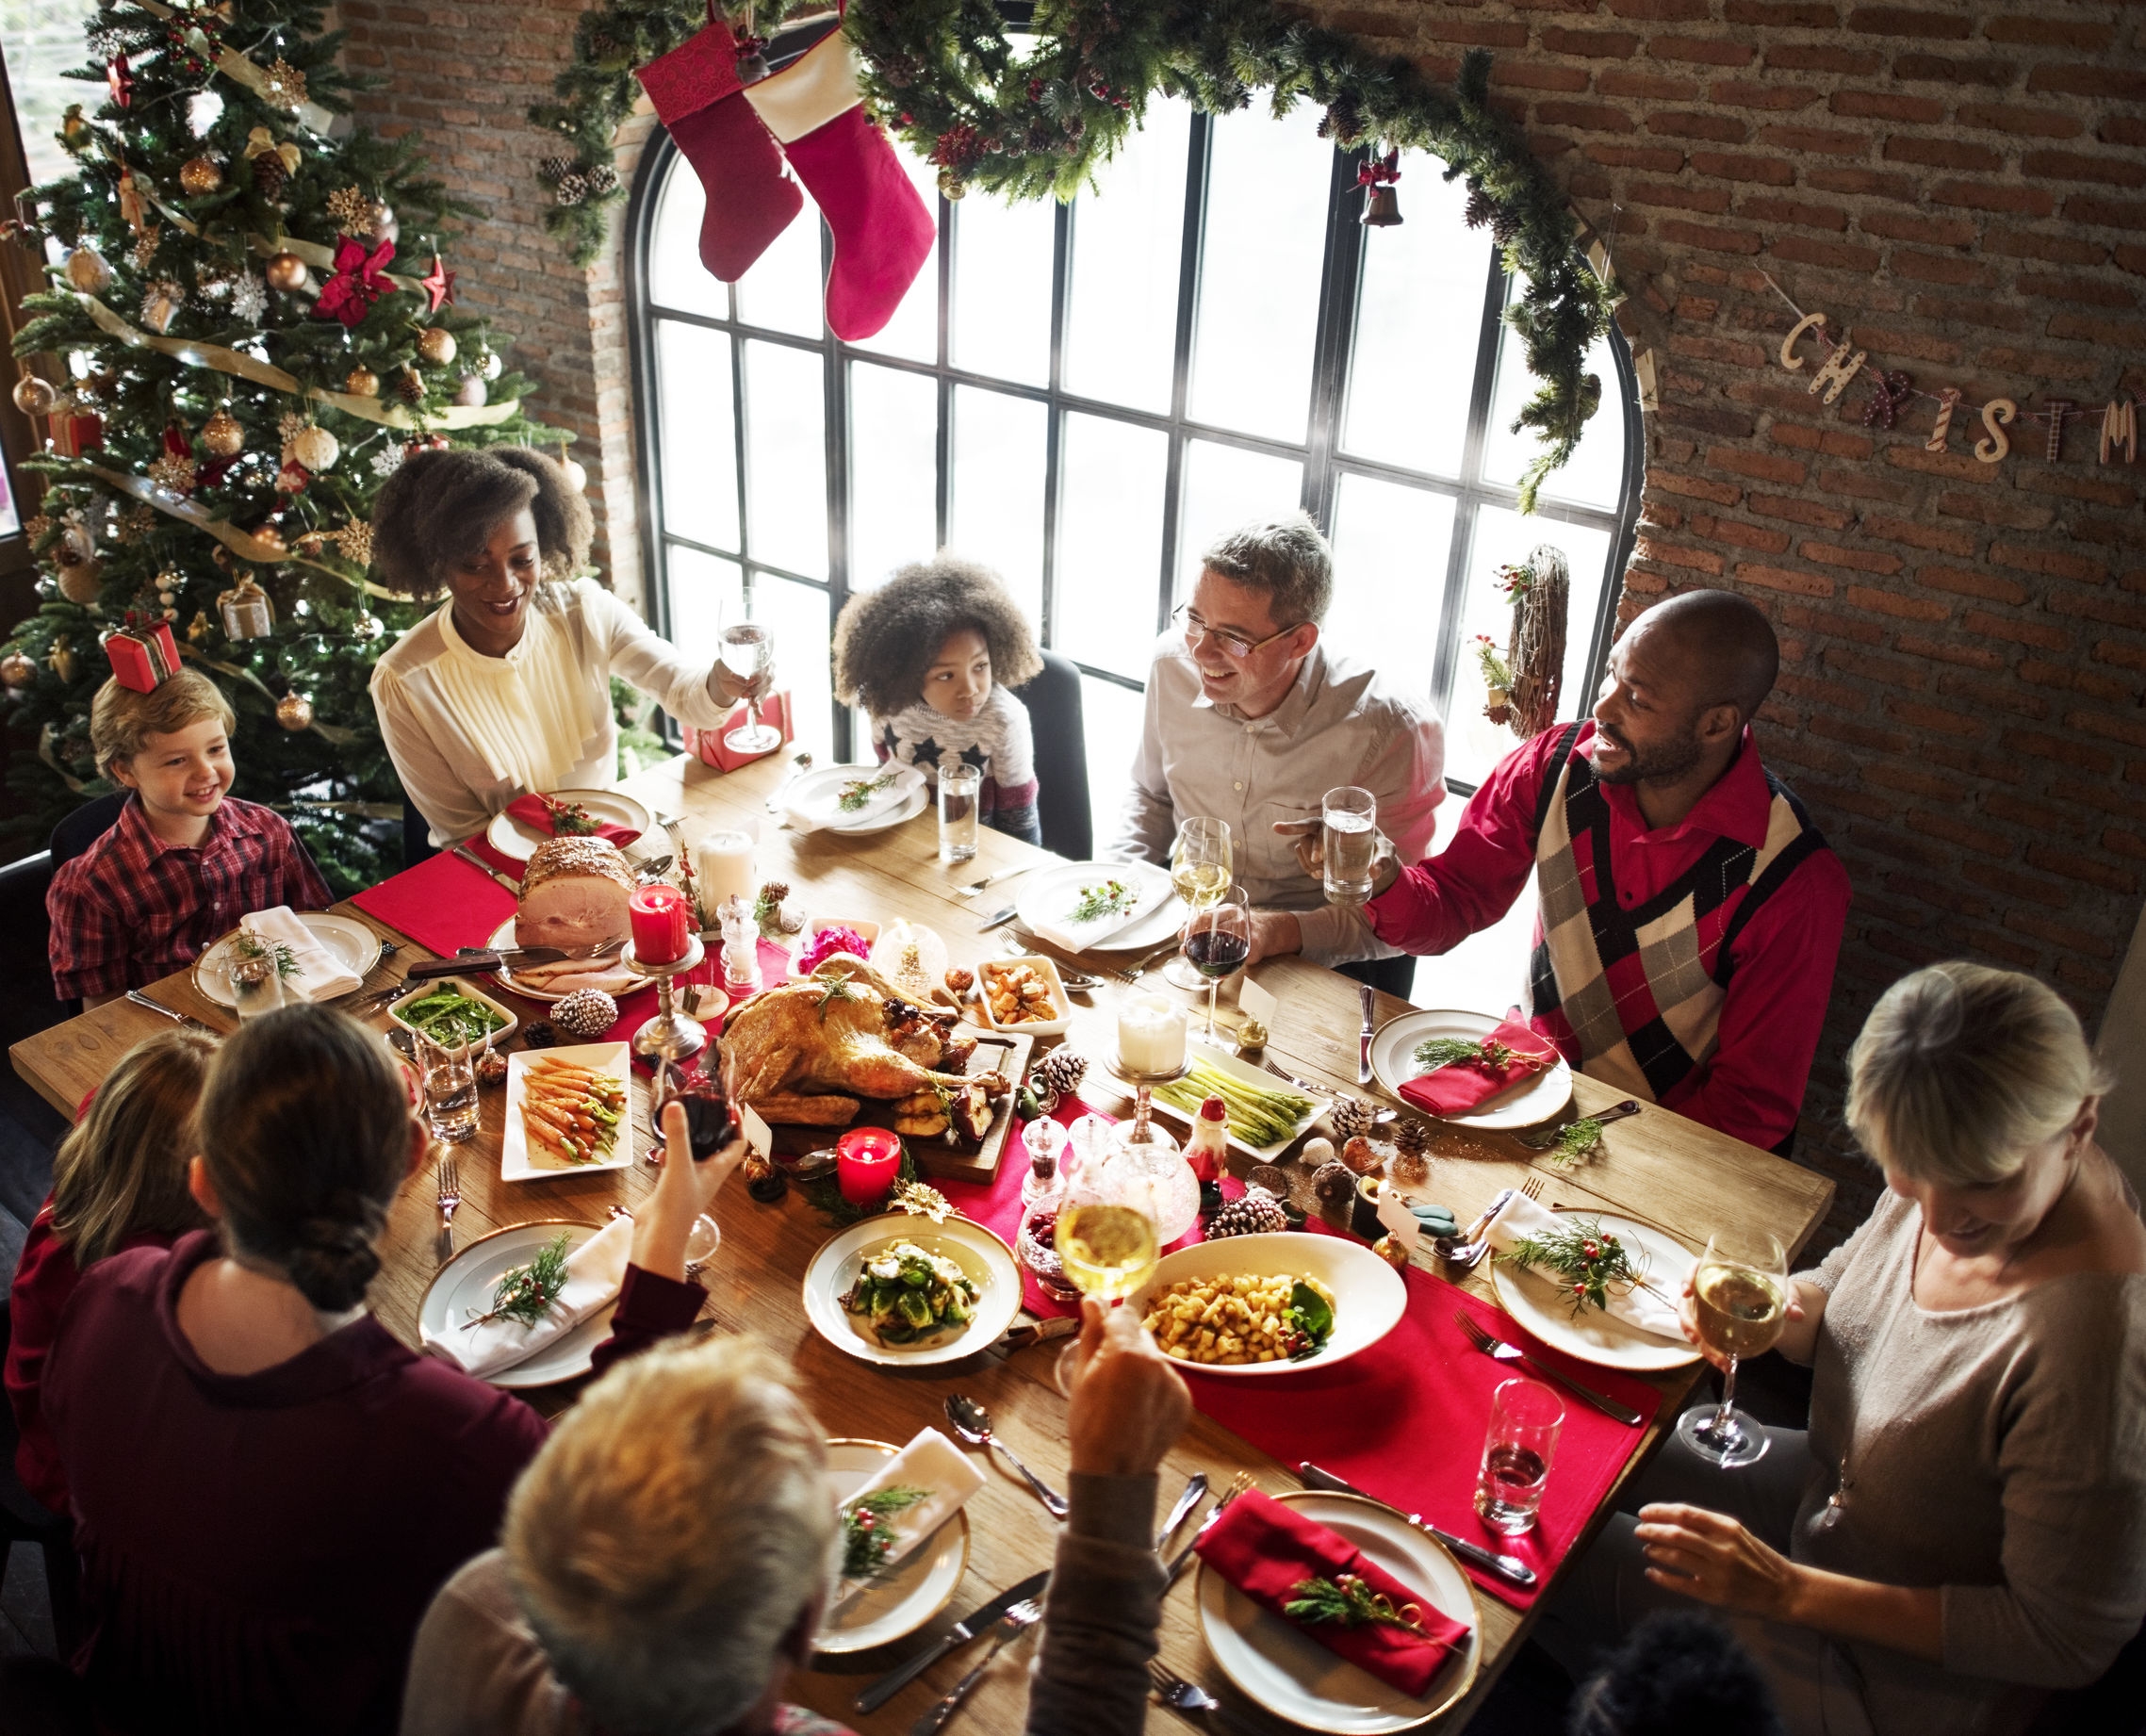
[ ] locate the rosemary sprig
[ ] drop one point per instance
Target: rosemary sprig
(1108, 899)
(525, 1293)
(1348, 1600)
(1575, 1140)
(1437, 1052)
(858, 790)
(838, 989)
(866, 1537)
(1583, 1253)
(254, 946)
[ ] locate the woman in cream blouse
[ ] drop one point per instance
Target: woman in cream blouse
(506, 688)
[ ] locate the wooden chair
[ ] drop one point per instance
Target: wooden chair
(1054, 703)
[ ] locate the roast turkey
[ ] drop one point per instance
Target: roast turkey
(573, 895)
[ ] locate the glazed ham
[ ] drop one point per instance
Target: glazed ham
(573, 895)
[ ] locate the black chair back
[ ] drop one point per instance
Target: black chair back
(1052, 699)
(85, 826)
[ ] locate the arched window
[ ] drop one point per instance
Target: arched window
(1085, 395)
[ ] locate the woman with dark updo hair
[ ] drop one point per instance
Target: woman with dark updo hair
(506, 688)
(267, 1486)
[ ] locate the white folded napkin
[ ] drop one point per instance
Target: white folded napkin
(1059, 927)
(932, 1463)
(823, 808)
(595, 1272)
(318, 977)
(1650, 1306)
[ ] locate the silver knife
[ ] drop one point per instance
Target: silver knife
(1036, 1332)
(463, 853)
(1004, 917)
(1505, 1566)
(1195, 1491)
(140, 999)
(1364, 1037)
(963, 1632)
(1175, 1566)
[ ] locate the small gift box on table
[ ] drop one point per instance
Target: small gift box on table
(142, 656)
(707, 744)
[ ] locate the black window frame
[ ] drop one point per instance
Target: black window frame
(1323, 460)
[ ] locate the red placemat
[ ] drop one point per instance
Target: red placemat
(442, 904)
(1404, 1421)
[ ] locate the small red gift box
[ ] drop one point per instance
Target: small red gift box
(143, 657)
(72, 435)
(707, 744)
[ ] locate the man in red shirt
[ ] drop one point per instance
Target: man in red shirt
(1689, 915)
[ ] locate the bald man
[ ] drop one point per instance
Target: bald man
(1689, 913)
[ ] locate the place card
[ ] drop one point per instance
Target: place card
(1257, 1003)
(759, 1138)
(1398, 1218)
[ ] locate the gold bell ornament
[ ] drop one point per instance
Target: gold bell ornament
(88, 270)
(62, 659)
(294, 711)
(248, 611)
(17, 670)
(1382, 205)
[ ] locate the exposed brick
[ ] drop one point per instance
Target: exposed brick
(1682, 123)
(1770, 96)
(1833, 254)
(1888, 602)
(1972, 582)
(1901, 21)
(1887, 105)
(1820, 58)
(1657, 159)
(1711, 239)
(2125, 84)
(1586, 117)
(1765, 210)
(2004, 118)
(1701, 50)
(1808, 139)
(2106, 213)
(2078, 165)
(1942, 153)
(1784, 578)
(1782, 14)
(1595, 44)
(1944, 69)
(1771, 171)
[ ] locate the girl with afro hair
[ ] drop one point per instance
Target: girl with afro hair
(930, 656)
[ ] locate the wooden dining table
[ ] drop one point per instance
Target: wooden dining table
(1657, 1166)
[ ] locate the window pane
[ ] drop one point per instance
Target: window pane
(1418, 311)
(786, 459)
(912, 334)
(699, 434)
(1002, 288)
(1224, 487)
(676, 276)
(1502, 537)
(1109, 544)
(1128, 240)
(781, 289)
(702, 588)
(797, 616)
(1110, 719)
(893, 470)
(997, 514)
(1391, 546)
(1595, 475)
(1261, 260)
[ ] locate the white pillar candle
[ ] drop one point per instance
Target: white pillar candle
(1151, 1035)
(724, 863)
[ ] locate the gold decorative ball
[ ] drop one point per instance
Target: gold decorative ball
(224, 435)
(286, 272)
(81, 581)
(200, 176)
(361, 381)
(315, 448)
(435, 344)
(88, 270)
(294, 711)
(17, 670)
(470, 393)
(35, 397)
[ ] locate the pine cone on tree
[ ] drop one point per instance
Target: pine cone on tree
(269, 176)
(410, 385)
(1352, 1117)
(1481, 208)
(1255, 1212)
(1059, 1074)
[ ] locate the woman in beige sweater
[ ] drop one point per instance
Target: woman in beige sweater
(1963, 1529)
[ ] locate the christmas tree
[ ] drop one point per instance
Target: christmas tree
(240, 343)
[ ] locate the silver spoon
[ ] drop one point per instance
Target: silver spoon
(800, 763)
(972, 1423)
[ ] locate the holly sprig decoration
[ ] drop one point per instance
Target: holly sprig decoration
(1347, 1600)
(1497, 672)
(1437, 1052)
(525, 1294)
(867, 1539)
(1587, 1257)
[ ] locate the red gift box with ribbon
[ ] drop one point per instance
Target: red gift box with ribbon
(142, 656)
(707, 744)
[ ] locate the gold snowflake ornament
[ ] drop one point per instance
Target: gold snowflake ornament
(355, 540)
(351, 209)
(174, 470)
(284, 86)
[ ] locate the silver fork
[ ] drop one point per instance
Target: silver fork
(974, 887)
(1499, 1351)
(1180, 1696)
(1175, 1566)
(1011, 1625)
(449, 1190)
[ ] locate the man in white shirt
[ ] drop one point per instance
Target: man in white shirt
(1251, 720)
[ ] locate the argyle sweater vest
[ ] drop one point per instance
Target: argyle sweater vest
(1633, 997)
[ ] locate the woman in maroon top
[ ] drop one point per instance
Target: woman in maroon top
(267, 1486)
(118, 1181)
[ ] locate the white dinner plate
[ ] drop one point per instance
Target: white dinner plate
(516, 1163)
(1222, 1061)
(981, 1255)
(618, 980)
(346, 940)
(1370, 1297)
(916, 1590)
(1544, 1305)
(1294, 1676)
(1535, 1099)
(1046, 895)
(464, 1285)
(901, 814)
(510, 837)
(813, 802)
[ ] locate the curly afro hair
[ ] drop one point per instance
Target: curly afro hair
(886, 639)
(1677, 1674)
(441, 507)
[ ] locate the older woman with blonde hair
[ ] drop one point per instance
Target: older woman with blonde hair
(1963, 1529)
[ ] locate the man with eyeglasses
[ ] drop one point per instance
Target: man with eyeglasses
(1250, 719)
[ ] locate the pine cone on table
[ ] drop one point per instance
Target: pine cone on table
(1412, 1146)
(586, 1014)
(1255, 1212)
(1059, 1074)
(1335, 1184)
(1352, 1117)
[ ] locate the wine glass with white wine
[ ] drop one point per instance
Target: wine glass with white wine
(748, 649)
(1107, 1252)
(1200, 868)
(1740, 1305)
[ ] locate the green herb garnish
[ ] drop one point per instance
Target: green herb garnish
(525, 1294)
(1437, 1052)
(867, 1539)
(1110, 899)
(838, 989)
(570, 819)
(1345, 1599)
(1312, 1318)
(1583, 1253)
(858, 790)
(1575, 1140)
(250, 945)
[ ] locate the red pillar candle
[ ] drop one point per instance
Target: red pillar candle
(662, 923)
(866, 1162)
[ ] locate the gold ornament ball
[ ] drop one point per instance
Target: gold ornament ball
(294, 711)
(17, 670)
(435, 344)
(361, 381)
(35, 397)
(200, 176)
(81, 581)
(286, 272)
(89, 271)
(315, 448)
(224, 435)
(470, 393)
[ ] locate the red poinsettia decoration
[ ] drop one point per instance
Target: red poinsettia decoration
(359, 280)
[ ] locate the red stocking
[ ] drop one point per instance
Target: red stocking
(882, 232)
(750, 201)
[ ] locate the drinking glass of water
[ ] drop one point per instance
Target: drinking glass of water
(451, 1087)
(960, 790)
(1740, 1306)
(256, 981)
(1525, 1417)
(1350, 837)
(748, 649)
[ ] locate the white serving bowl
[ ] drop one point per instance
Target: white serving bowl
(867, 932)
(1062, 1008)
(1369, 1294)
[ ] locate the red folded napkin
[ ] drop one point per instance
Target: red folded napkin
(1266, 1549)
(1457, 1089)
(536, 812)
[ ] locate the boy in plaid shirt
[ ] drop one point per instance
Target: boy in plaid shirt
(184, 861)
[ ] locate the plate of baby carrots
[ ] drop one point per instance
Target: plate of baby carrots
(570, 1112)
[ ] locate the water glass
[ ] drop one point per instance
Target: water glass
(959, 791)
(1525, 1417)
(451, 1087)
(1348, 840)
(257, 983)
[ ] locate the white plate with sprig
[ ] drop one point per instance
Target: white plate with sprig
(517, 839)
(916, 1589)
(1542, 1303)
(462, 1290)
(346, 940)
(1536, 1098)
(1051, 896)
(879, 793)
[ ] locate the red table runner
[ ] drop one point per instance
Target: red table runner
(1404, 1422)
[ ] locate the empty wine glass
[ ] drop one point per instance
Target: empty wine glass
(1200, 867)
(1218, 941)
(748, 650)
